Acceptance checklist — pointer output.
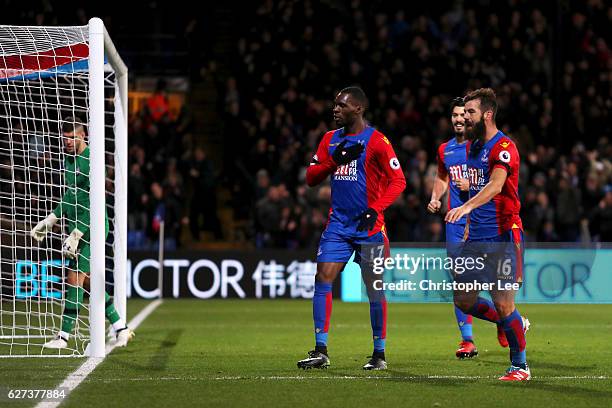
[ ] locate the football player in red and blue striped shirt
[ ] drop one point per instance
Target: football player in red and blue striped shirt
(366, 177)
(494, 223)
(452, 175)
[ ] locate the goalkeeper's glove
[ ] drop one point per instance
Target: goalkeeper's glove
(72, 243)
(40, 230)
(367, 220)
(344, 155)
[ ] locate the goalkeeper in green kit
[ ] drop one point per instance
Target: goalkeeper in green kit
(75, 207)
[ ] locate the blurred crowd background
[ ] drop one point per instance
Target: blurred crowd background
(273, 75)
(295, 55)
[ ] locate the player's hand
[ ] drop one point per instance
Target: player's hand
(42, 228)
(457, 213)
(434, 206)
(367, 220)
(344, 155)
(72, 243)
(463, 184)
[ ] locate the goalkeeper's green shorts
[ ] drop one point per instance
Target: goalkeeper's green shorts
(81, 263)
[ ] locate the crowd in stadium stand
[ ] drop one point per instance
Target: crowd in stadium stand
(167, 170)
(552, 77)
(293, 56)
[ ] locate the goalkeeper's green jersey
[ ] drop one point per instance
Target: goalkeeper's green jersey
(75, 202)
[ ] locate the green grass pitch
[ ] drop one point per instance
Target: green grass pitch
(244, 353)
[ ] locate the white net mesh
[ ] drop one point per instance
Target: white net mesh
(43, 83)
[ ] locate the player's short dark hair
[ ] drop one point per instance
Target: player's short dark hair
(358, 95)
(456, 102)
(487, 98)
(72, 124)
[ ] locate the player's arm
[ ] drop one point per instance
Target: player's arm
(82, 212)
(82, 227)
(39, 232)
(490, 190)
(322, 164)
(82, 217)
(505, 160)
(68, 198)
(463, 184)
(387, 160)
(440, 183)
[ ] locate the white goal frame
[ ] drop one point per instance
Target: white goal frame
(100, 44)
(103, 59)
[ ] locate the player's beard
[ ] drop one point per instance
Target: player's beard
(475, 131)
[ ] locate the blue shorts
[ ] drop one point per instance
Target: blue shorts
(454, 239)
(336, 247)
(500, 258)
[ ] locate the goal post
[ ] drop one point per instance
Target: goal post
(101, 45)
(48, 75)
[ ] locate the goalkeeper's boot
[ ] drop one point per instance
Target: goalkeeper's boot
(124, 336)
(466, 349)
(316, 359)
(376, 362)
(57, 343)
(517, 374)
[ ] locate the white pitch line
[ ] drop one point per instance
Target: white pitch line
(349, 377)
(77, 376)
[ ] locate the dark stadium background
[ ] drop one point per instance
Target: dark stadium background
(227, 103)
(228, 100)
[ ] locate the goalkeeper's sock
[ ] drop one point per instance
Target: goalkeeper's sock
(321, 311)
(484, 309)
(464, 321)
(109, 309)
(72, 304)
(111, 313)
(515, 333)
(378, 319)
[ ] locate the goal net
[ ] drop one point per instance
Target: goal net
(50, 76)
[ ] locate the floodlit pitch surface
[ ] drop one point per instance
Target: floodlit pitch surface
(244, 353)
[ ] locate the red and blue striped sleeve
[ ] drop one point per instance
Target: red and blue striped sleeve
(387, 162)
(442, 172)
(505, 155)
(321, 165)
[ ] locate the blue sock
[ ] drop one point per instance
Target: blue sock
(378, 319)
(465, 324)
(515, 333)
(321, 311)
(484, 309)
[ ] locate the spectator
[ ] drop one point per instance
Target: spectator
(204, 196)
(601, 219)
(268, 211)
(158, 105)
(568, 210)
(163, 207)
